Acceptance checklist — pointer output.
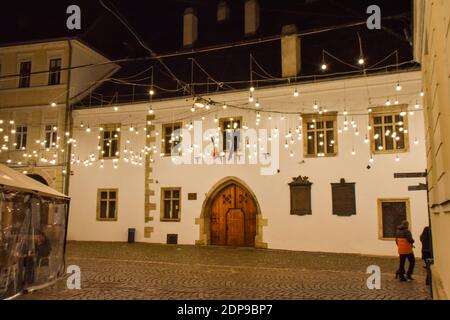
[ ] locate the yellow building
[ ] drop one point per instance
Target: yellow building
(39, 82)
(432, 50)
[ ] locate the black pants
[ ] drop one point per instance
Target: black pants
(412, 263)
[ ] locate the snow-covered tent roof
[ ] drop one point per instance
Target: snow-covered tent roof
(16, 180)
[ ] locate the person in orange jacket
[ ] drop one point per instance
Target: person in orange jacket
(405, 244)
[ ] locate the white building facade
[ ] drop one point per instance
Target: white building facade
(360, 131)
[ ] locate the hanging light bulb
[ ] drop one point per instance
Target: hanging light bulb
(397, 102)
(422, 94)
(116, 108)
(224, 106)
(192, 109)
(82, 124)
(398, 87)
(388, 102)
(151, 91)
(150, 110)
(296, 93)
(366, 140)
(250, 98)
(53, 104)
(324, 67)
(315, 106)
(361, 61)
(416, 141)
(252, 89)
(417, 106)
(397, 158)
(353, 152)
(88, 129)
(371, 160)
(257, 103)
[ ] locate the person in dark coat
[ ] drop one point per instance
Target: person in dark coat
(427, 253)
(405, 243)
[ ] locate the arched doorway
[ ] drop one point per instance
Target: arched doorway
(38, 178)
(231, 216)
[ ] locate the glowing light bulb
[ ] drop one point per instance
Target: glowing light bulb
(296, 93)
(151, 92)
(53, 104)
(324, 67)
(252, 89)
(361, 61)
(398, 87)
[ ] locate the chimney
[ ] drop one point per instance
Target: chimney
(223, 11)
(190, 27)
(290, 51)
(251, 17)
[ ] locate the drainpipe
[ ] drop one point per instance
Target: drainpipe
(68, 121)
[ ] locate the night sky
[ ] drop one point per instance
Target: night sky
(159, 24)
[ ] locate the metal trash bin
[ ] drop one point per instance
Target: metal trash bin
(131, 234)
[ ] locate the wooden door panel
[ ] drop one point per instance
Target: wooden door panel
(233, 217)
(235, 228)
(245, 201)
(221, 204)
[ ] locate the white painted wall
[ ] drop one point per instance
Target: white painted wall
(320, 232)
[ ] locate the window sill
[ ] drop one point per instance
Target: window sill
(386, 239)
(59, 86)
(107, 220)
(170, 220)
(312, 156)
(387, 152)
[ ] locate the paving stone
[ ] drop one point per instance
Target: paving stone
(112, 271)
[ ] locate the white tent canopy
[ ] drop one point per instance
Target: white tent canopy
(16, 180)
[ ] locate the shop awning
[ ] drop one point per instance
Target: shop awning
(16, 180)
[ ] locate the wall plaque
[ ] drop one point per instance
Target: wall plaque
(192, 196)
(300, 196)
(344, 199)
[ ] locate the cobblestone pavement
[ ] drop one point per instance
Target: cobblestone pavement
(144, 271)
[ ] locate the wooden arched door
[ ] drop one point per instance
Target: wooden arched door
(233, 217)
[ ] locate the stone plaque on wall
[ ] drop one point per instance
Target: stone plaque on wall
(344, 199)
(300, 190)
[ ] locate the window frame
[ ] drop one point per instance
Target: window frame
(50, 72)
(22, 134)
(116, 200)
(240, 143)
(20, 62)
(53, 134)
(162, 204)
(380, 214)
(164, 142)
(330, 116)
(394, 112)
(109, 128)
